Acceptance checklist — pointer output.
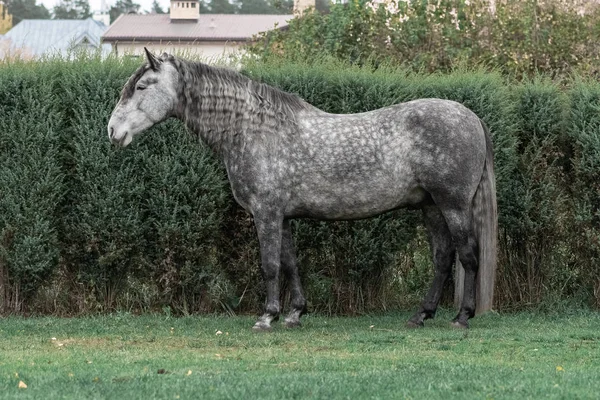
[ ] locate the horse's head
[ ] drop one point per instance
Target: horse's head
(148, 97)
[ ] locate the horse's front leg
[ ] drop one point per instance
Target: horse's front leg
(269, 227)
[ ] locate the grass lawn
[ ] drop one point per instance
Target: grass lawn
(120, 356)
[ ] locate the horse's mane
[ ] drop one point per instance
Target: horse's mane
(268, 96)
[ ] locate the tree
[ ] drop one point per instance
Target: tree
(266, 6)
(72, 9)
(123, 7)
(218, 7)
(156, 8)
(26, 9)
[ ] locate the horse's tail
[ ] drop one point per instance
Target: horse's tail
(485, 223)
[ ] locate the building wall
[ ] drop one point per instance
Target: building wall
(208, 51)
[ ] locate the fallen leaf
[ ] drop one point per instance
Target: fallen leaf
(372, 326)
(559, 368)
(22, 385)
(16, 374)
(189, 372)
(161, 371)
(218, 333)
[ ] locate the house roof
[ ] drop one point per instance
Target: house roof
(208, 27)
(47, 35)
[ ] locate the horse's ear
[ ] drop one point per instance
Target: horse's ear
(152, 60)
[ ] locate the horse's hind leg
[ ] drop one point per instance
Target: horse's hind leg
(463, 236)
(290, 270)
(443, 258)
(269, 229)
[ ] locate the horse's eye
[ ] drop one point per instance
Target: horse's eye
(140, 87)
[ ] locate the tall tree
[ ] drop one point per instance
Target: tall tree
(72, 9)
(156, 8)
(218, 7)
(122, 7)
(266, 6)
(26, 9)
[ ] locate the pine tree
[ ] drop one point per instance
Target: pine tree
(72, 9)
(123, 7)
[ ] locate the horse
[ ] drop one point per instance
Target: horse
(287, 159)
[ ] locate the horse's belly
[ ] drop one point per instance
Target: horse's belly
(352, 201)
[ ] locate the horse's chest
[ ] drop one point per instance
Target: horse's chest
(258, 182)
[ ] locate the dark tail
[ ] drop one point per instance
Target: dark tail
(485, 223)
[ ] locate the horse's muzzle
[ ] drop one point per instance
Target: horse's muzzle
(119, 139)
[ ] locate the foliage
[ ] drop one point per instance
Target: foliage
(26, 9)
(32, 185)
(154, 225)
(122, 7)
(519, 37)
(156, 8)
(265, 6)
(217, 7)
(72, 9)
(536, 260)
(253, 6)
(583, 127)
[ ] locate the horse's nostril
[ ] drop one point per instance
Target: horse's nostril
(112, 132)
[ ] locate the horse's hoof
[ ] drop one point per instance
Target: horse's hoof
(262, 327)
(415, 325)
(459, 325)
(292, 323)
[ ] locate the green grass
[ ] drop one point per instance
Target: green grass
(127, 357)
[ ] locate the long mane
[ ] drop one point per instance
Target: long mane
(222, 82)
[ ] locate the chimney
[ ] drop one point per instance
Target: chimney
(301, 5)
(185, 10)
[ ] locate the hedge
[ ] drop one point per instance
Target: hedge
(86, 227)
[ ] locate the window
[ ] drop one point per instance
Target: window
(193, 5)
(187, 5)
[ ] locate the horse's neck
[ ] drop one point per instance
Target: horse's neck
(214, 114)
(227, 116)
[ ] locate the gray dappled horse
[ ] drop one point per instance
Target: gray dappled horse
(287, 159)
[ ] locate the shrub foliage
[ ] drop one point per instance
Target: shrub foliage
(88, 227)
(519, 37)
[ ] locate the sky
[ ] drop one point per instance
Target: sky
(95, 4)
